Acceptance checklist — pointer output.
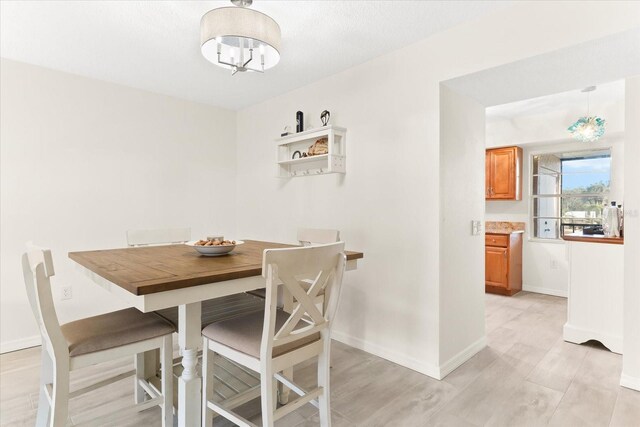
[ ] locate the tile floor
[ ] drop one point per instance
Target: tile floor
(527, 376)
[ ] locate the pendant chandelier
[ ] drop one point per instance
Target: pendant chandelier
(239, 38)
(588, 128)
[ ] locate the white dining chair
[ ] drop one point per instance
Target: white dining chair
(91, 341)
(309, 237)
(160, 236)
(306, 237)
(317, 236)
(272, 341)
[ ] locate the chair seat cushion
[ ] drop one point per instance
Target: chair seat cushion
(215, 310)
(244, 334)
(112, 330)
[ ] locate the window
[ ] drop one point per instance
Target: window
(569, 191)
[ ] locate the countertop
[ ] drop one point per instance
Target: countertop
(593, 238)
(503, 227)
(507, 232)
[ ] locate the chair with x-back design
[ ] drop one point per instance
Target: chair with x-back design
(272, 341)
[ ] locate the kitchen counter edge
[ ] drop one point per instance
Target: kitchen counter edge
(594, 239)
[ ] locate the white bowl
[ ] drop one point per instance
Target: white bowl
(213, 250)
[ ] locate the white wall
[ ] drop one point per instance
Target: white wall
(462, 125)
(388, 203)
(82, 161)
(631, 360)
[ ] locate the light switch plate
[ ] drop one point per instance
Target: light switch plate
(476, 227)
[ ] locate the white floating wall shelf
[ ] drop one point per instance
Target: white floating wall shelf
(333, 162)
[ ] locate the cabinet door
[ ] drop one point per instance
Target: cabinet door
(496, 266)
(503, 173)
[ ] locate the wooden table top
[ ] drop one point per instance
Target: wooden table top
(151, 269)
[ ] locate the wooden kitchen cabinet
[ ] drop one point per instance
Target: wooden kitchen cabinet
(503, 173)
(503, 263)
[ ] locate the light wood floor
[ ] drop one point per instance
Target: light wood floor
(527, 376)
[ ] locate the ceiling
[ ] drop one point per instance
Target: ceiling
(603, 60)
(154, 45)
(605, 96)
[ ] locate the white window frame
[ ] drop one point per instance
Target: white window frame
(560, 150)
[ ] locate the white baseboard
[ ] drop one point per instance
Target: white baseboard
(457, 360)
(580, 335)
(388, 354)
(546, 291)
(22, 343)
(630, 382)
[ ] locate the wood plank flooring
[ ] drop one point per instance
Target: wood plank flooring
(527, 376)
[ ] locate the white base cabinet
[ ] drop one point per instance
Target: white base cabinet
(595, 299)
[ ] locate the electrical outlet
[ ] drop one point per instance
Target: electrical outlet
(67, 293)
(554, 264)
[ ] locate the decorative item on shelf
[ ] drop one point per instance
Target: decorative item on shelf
(316, 152)
(229, 36)
(287, 131)
(588, 128)
(299, 121)
(321, 146)
(324, 117)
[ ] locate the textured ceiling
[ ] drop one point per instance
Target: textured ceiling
(605, 96)
(154, 45)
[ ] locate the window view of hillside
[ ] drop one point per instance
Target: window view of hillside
(585, 189)
(569, 191)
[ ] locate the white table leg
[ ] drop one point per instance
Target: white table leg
(189, 383)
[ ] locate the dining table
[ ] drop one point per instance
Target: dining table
(152, 278)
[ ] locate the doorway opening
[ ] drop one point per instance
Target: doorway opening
(529, 327)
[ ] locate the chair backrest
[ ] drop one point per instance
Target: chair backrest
(37, 268)
(317, 236)
(158, 237)
(288, 268)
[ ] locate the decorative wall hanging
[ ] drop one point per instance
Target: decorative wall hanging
(324, 117)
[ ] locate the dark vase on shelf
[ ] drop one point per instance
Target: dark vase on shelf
(299, 121)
